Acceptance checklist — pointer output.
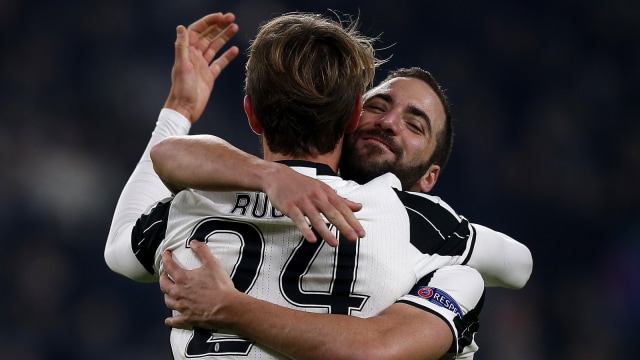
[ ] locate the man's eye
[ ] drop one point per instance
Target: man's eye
(376, 108)
(415, 127)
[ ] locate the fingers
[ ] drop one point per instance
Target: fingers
(177, 322)
(220, 63)
(182, 45)
(343, 226)
(301, 223)
(344, 219)
(171, 267)
(318, 224)
(166, 283)
(202, 250)
(217, 41)
(309, 219)
(210, 20)
(211, 263)
(340, 215)
(352, 205)
(212, 32)
(339, 212)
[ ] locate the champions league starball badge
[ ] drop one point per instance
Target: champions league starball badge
(440, 298)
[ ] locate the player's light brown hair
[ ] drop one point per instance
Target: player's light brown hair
(304, 75)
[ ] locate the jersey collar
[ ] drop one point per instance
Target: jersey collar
(320, 168)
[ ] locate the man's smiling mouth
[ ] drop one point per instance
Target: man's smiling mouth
(378, 142)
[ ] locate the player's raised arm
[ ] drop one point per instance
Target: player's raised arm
(193, 77)
(195, 70)
(207, 162)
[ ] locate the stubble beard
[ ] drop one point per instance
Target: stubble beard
(368, 162)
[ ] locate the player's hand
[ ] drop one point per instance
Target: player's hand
(197, 293)
(304, 200)
(195, 70)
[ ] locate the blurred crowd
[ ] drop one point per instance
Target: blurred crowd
(547, 150)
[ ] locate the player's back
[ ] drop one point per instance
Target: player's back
(268, 258)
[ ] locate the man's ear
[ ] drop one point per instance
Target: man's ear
(253, 119)
(355, 117)
(428, 180)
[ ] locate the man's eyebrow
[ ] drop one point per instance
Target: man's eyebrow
(421, 114)
(385, 97)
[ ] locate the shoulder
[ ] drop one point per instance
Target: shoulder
(387, 180)
(382, 188)
(427, 205)
(457, 288)
(459, 280)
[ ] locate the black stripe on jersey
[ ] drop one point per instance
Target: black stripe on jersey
(434, 229)
(149, 232)
(469, 325)
(472, 246)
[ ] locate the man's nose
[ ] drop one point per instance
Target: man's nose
(391, 121)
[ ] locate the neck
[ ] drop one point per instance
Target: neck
(332, 159)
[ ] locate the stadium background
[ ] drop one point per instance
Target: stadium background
(544, 94)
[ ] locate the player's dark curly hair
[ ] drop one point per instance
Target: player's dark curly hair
(303, 77)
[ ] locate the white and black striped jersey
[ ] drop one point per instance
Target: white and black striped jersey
(409, 236)
(454, 293)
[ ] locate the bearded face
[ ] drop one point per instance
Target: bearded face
(370, 153)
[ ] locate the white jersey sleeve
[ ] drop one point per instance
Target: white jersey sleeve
(454, 293)
(501, 260)
(143, 189)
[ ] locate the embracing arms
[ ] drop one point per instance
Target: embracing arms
(209, 163)
(185, 162)
(206, 298)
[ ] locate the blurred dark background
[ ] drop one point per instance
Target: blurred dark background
(547, 151)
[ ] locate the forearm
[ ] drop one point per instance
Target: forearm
(143, 189)
(206, 297)
(207, 162)
(304, 335)
(295, 334)
(501, 260)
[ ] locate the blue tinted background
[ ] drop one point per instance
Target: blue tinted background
(547, 150)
